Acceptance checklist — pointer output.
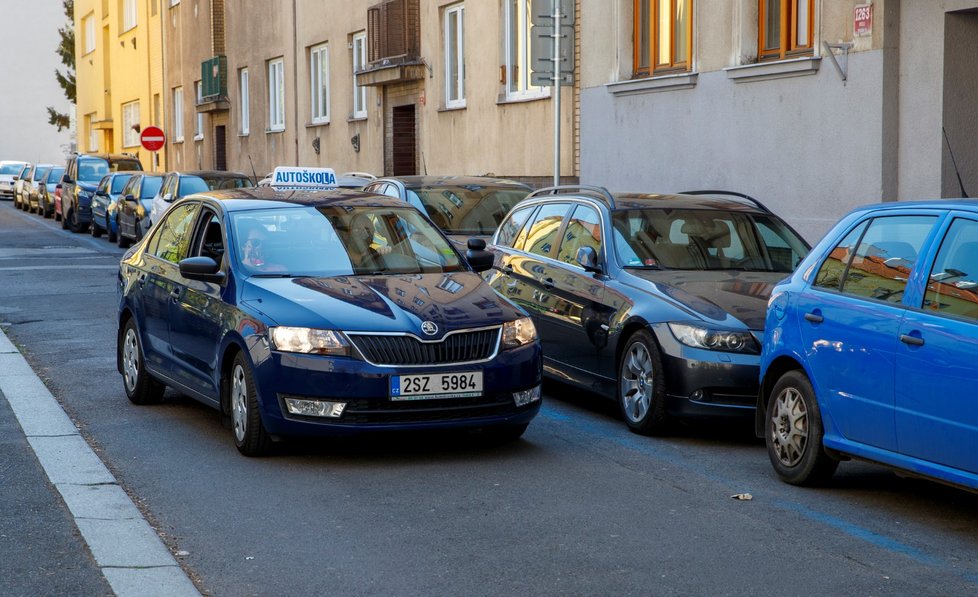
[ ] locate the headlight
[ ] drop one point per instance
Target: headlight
(711, 339)
(518, 333)
(308, 341)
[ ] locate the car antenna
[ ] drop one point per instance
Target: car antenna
(954, 163)
(254, 175)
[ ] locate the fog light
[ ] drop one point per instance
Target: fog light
(315, 408)
(526, 396)
(697, 395)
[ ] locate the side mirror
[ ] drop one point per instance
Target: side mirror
(66, 180)
(479, 259)
(587, 258)
(129, 198)
(168, 197)
(204, 269)
(16, 178)
(101, 193)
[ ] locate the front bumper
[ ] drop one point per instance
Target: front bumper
(365, 389)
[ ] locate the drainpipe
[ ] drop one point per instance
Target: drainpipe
(295, 79)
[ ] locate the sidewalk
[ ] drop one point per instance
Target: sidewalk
(66, 526)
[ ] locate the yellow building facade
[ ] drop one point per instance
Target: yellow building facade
(119, 69)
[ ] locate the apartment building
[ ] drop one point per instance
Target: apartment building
(390, 87)
(119, 71)
(812, 106)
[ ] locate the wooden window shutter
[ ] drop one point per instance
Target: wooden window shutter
(375, 33)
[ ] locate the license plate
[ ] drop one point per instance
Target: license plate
(437, 385)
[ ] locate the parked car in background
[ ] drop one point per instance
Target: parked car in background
(133, 206)
(19, 184)
(45, 191)
(9, 172)
(28, 193)
(308, 333)
(105, 204)
(82, 175)
(655, 300)
(871, 345)
(177, 185)
(461, 206)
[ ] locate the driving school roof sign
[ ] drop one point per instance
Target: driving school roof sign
(303, 179)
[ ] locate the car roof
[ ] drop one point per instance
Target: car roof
(943, 204)
(209, 173)
(270, 198)
(414, 182)
(106, 156)
(626, 201)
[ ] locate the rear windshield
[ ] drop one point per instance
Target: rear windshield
(93, 169)
(466, 209)
(151, 186)
(197, 184)
(11, 169)
(118, 182)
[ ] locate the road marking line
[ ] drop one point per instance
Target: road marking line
(127, 550)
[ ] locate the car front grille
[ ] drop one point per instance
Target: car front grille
(455, 347)
(422, 411)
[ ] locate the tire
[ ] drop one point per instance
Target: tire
(95, 229)
(248, 431)
(140, 386)
(72, 220)
(64, 221)
(794, 432)
(48, 212)
(123, 241)
(641, 385)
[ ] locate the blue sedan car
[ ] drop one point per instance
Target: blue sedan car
(870, 348)
(313, 313)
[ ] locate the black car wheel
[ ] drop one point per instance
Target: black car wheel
(64, 220)
(794, 435)
(641, 387)
(95, 229)
(250, 436)
(123, 240)
(141, 388)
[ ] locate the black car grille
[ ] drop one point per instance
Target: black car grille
(422, 411)
(459, 347)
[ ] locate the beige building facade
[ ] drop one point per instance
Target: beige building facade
(432, 86)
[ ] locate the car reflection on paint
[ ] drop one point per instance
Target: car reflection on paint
(281, 309)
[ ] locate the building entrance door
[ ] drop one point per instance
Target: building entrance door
(220, 148)
(404, 141)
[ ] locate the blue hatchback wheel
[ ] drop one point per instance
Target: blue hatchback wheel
(794, 437)
(789, 427)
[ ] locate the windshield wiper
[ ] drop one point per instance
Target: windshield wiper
(277, 275)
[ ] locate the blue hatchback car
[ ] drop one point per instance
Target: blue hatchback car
(316, 313)
(870, 348)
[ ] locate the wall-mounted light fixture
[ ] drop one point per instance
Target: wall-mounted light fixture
(355, 141)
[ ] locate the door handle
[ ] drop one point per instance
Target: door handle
(142, 278)
(175, 294)
(911, 340)
(548, 283)
(814, 317)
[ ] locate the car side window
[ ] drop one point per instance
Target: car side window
(512, 226)
(103, 186)
(540, 235)
(952, 288)
(172, 242)
(209, 241)
(881, 264)
(583, 230)
(834, 267)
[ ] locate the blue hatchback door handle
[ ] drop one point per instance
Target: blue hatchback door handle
(911, 340)
(814, 317)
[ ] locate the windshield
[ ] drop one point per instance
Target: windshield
(705, 240)
(40, 172)
(119, 182)
(340, 241)
(466, 209)
(197, 184)
(55, 175)
(151, 186)
(11, 169)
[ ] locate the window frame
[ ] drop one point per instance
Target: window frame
(178, 114)
(244, 97)
(788, 22)
(129, 15)
(319, 83)
(92, 132)
(130, 137)
(199, 125)
(276, 95)
(88, 30)
(458, 49)
(523, 89)
(359, 43)
(671, 66)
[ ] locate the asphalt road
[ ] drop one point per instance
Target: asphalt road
(579, 506)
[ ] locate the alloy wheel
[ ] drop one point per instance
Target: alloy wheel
(637, 382)
(239, 402)
(130, 360)
(789, 427)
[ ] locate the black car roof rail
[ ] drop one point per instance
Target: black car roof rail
(592, 190)
(755, 202)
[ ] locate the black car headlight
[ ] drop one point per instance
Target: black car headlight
(698, 336)
(518, 332)
(309, 341)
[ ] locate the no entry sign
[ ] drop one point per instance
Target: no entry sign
(152, 138)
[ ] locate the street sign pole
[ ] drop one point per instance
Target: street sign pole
(556, 16)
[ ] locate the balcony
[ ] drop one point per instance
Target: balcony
(214, 85)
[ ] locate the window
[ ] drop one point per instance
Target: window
(517, 66)
(92, 133)
(952, 288)
(199, 129)
(359, 63)
(178, 114)
(244, 111)
(583, 230)
(454, 57)
(319, 82)
(541, 235)
(156, 109)
(128, 15)
(663, 36)
(130, 124)
(88, 28)
(173, 239)
(785, 27)
(508, 231)
(276, 95)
